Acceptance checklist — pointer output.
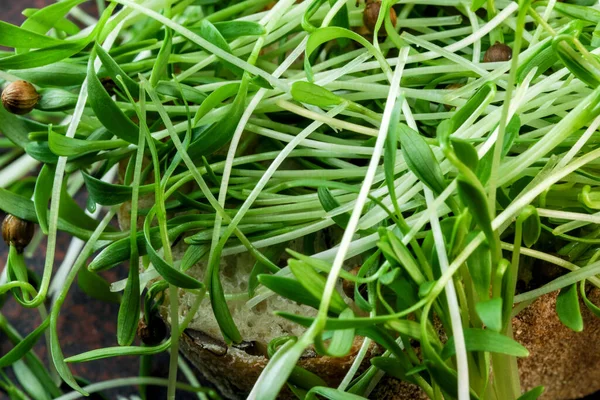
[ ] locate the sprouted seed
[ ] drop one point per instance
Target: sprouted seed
(395, 188)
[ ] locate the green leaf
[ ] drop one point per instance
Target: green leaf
(272, 253)
(120, 251)
(210, 140)
(234, 29)
(466, 153)
(310, 93)
(56, 100)
(49, 55)
(341, 340)
(278, 370)
(477, 4)
(41, 195)
(217, 97)
(64, 146)
(533, 394)
(59, 74)
(161, 65)
(406, 327)
(175, 89)
(532, 228)
(490, 313)
(322, 35)
(41, 21)
(114, 70)
(315, 284)
(13, 36)
(209, 32)
(330, 393)
(29, 382)
(290, 289)
(479, 264)
(328, 202)
(473, 196)
(567, 308)
(577, 64)
(109, 194)
(118, 351)
(420, 159)
(392, 366)
(487, 341)
(192, 255)
(107, 112)
(24, 346)
(97, 287)
(578, 12)
(543, 59)
(483, 96)
(402, 255)
(170, 274)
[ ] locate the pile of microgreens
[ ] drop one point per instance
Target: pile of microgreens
(256, 124)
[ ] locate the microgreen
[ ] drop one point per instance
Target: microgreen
(400, 163)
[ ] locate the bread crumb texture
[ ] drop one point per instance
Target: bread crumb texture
(254, 323)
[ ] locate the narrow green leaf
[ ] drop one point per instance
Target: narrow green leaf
(567, 308)
(278, 370)
(330, 393)
(466, 153)
(114, 70)
(420, 159)
(13, 36)
(310, 93)
(217, 97)
(234, 29)
(109, 194)
(532, 228)
(481, 97)
(473, 196)
(41, 195)
(490, 313)
(170, 274)
(118, 351)
(315, 284)
(487, 341)
(341, 340)
(97, 287)
(290, 289)
(533, 394)
(58, 74)
(64, 146)
(24, 346)
(29, 382)
(41, 21)
(105, 109)
(328, 202)
(209, 32)
(210, 140)
(161, 65)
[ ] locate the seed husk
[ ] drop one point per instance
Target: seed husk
(498, 52)
(17, 232)
(20, 97)
(153, 332)
(370, 15)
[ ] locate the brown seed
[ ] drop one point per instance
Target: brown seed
(452, 86)
(20, 97)
(498, 52)
(371, 13)
(347, 285)
(17, 232)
